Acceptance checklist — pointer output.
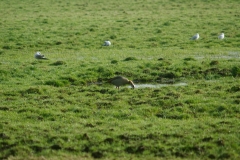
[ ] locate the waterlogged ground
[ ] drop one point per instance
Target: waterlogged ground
(158, 85)
(228, 55)
(187, 96)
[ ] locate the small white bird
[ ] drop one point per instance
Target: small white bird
(107, 43)
(195, 37)
(221, 36)
(38, 55)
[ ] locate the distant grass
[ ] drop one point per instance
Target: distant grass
(64, 107)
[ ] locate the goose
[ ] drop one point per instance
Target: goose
(221, 36)
(38, 55)
(120, 81)
(195, 37)
(107, 43)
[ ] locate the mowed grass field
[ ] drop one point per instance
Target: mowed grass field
(186, 104)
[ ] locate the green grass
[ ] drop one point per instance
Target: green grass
(63, 108)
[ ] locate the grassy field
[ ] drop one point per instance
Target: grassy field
(187, 96)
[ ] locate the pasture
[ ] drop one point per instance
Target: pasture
(187, 96)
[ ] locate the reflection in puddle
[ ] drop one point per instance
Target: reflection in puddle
(158, 85)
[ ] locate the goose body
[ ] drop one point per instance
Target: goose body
(38, 55)
(107, 43)
(221, 36)
(120, 81)
(195, 37)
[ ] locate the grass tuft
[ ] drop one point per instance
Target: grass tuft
(57, 63)
(130, 59)
(57, 83)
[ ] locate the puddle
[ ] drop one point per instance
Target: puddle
(232, 53)
(146, 85)
(158, 85)
(229, 55)
(226, 56)
(218, 57)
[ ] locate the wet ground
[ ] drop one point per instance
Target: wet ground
(158, 85)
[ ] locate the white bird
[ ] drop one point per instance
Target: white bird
(38, 55)
(221, 36)
(195, 37)
(107, 43)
